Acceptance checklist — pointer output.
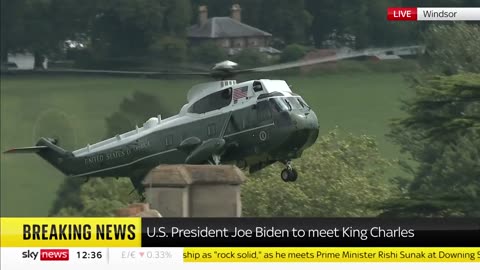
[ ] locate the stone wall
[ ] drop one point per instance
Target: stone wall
(195, 190)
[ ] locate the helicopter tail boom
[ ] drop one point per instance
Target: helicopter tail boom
(47, 149)
(25, 150)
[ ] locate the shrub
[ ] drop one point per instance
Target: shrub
(207, 53)
(293, 52)
(170, 49)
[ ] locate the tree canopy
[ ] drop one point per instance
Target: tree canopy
(441, 129)
(341, 176)
(127, 28)
(441, 132)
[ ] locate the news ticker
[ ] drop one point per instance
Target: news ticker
(433, 14)
(238, 232)
(116, 256)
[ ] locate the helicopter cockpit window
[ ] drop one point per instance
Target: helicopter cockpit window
(303, 103)
(257, 86)
(289, 105)
(212, 102)
(278, 104)
(294, 103)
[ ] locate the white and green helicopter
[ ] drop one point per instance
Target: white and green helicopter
(251, 124)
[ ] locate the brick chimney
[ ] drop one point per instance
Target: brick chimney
(236, 12)
(202, 15)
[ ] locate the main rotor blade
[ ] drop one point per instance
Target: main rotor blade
(338, 56)
(122, 72)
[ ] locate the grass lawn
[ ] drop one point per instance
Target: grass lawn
(361, 103)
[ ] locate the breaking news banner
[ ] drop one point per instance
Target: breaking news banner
(433, 14)
(191, 243)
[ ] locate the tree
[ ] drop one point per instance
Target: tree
(286, 19)
(441, 132)
(129, 28)
(114, 21)
(446, 55)
(363, 19)
(40, 26)
(134, 111)
(178, 16)
(340, 176)
(249, 58)
(293, 52)
(207, 53)
(96, 198)
(170, 49)
(12, 15)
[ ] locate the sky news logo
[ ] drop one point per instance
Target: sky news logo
(47, 255)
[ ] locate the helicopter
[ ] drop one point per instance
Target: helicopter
(250, 124)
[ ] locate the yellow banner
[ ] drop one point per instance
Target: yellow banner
(356, 254)
(71, 232)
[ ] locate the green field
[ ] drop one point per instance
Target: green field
(361, 103)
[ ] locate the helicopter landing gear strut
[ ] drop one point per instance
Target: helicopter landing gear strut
(289, 174)
(216, 160)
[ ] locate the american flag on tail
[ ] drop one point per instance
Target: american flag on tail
(239, 93)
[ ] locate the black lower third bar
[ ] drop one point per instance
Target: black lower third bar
(309, 232)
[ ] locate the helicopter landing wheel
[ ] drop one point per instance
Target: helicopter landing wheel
(289, 175)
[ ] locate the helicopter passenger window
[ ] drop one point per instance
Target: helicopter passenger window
(257, 86)
(212, 102)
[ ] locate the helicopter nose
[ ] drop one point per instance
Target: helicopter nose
(307, 128)
(305, 121)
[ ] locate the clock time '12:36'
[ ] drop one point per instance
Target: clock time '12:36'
(89, 255)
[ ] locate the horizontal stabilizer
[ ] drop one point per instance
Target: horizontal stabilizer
(23, 150)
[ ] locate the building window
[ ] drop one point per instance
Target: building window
(226, 43)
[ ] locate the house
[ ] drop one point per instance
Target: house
(229, 32)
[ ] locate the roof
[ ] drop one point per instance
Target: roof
(221, 27)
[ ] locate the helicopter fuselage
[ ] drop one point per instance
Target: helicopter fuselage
(251, 124)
